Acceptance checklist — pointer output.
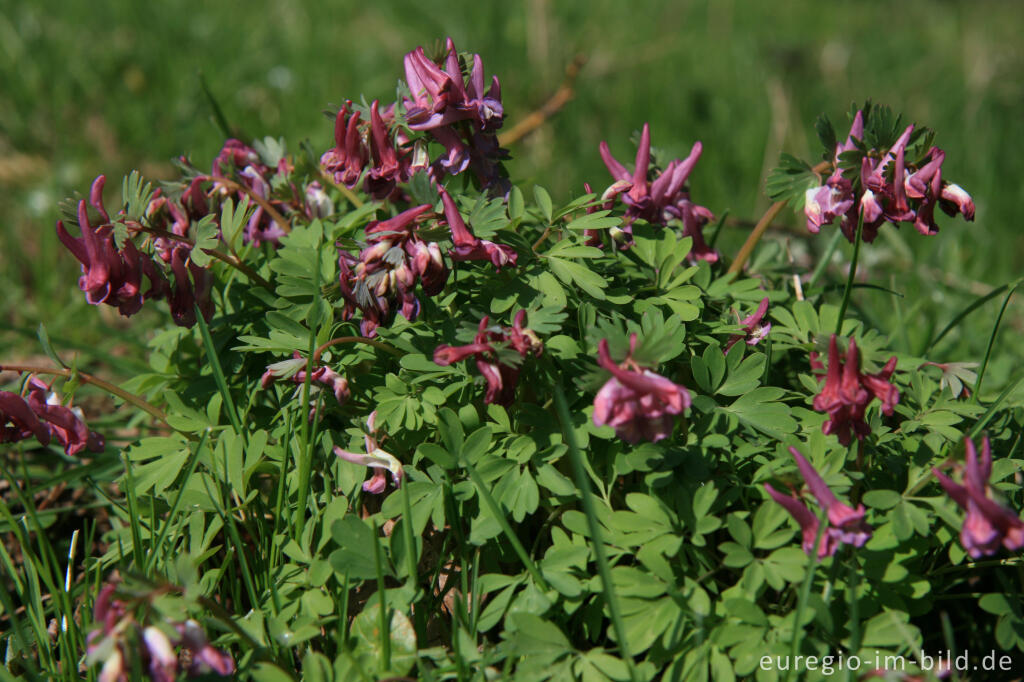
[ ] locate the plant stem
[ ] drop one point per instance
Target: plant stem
(387, 348)
(852, 274)
(306, 455)
(233, 260)
(590, 509)
(271, 211)
(805, 592)
(991, 342)
(762, 226)
(382, 603)
(90, 379)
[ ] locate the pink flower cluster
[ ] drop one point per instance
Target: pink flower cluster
(501, 374)
(988, 524)
(111, 644)
(888, 189)
(42, 415)
(847, 392)
(458, 113)
(449, 109)
(374, 458)
(241, 164)
(383, 276)
(638, 403)
(359, 144)
(111, 275)
(845, 524)
(665, 198)
(755, 329)
(295, 370)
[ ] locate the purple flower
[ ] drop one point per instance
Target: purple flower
(109, 275)
(345, 162)
(467, 245)
(754, 330)
(501, 377)
(666, 197)
(295, 369)
(845, 524)
(42, 415)
(374, 458)
(886, 190)
(457, 113)
(18, 421)
(205, 657)
(383, 276)
(847, 392)
(988, 524)
(638, 403)
(119, 631)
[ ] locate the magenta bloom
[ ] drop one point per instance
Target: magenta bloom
(845, 524)
(666, 197)
(988, 524)
(295, 370)
(886, 190)
(638, 403)
(382, 278)
(374, 458)
(467, 245)
(847, 393)
(754, 328)
(501, 377)
(40, 414)
(111, 643)
(458, 113)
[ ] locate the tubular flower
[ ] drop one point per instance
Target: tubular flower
(888, 188)
(666, 197)
(638, 403)
(112, 643)
(988, 524)
(754, 330)
(847, 392)
(241, 163)
(109, 275)
(845, 524)
(457, 113)
(114, 276)
(383, 276)
(295, 369)
(467, 245)
(374, 458)
(41, 414)
(493, 365)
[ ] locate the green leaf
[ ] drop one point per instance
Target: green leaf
(572, 272)
(761, 410)
(135, 197)
(790, 181)
(543, 200)
(207, 238)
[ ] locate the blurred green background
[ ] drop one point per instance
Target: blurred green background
(90, 88)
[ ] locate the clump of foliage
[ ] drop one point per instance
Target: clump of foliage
(596, 449)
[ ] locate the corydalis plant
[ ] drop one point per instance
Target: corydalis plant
(987, 524)
(848, 391)
(663, 200)
(491, 349)
(638, 403)
(846, 525)
(41, 414)
(879, 177)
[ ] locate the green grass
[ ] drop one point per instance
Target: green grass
(102, 89)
